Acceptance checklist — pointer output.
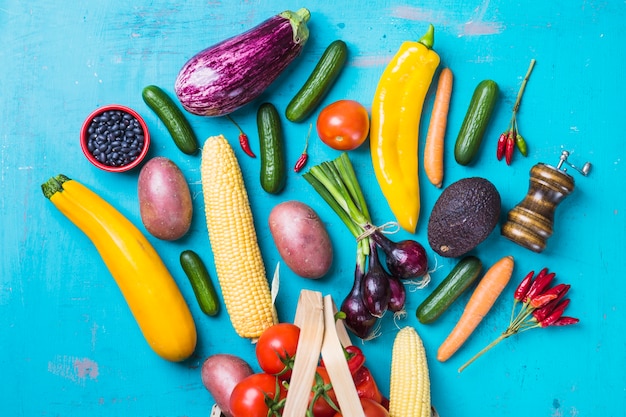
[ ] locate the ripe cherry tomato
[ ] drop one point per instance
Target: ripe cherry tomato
(276, 349)
(321, 408)
(371, 409)
(343, 125)
(248, 398)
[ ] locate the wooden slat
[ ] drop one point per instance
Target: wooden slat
(310, 318)
(337, 366)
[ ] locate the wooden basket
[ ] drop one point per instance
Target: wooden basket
(320, 334)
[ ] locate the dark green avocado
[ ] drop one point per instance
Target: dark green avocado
(464, 215)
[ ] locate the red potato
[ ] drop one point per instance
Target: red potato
(301, 239)
(220, 373)
(164, 199)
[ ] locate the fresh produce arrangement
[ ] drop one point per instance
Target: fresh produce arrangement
(310, 367)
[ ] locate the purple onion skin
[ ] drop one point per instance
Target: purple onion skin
(226, 76)
(397, 299)
(358, 318)
(376, 291)
(405, 259)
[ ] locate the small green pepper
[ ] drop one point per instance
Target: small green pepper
(521, 144)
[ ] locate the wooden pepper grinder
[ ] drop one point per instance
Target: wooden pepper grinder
(530, 223)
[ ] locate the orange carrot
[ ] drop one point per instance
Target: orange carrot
(479, 304)
(433, 150)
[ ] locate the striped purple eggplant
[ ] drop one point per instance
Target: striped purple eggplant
(230, 74)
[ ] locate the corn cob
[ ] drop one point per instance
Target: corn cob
(409, 390)
(238, 262)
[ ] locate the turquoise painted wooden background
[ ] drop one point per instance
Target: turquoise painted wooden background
(68, 344)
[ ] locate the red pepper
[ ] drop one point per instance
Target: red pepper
(541, 300)
(301, 162)
(304, 156)
(245, 145)
(543, 312)
(523, 287)
(244, 142)
(501, 146)
(565, 321)
(555, 314)
(541, 282)
(355, 357)
(510, 147)
(366, 386)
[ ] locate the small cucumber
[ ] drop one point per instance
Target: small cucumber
(475, 121)
(172, 117)
(271, 149)
(319, 82)
(200, 282)
(458, 280)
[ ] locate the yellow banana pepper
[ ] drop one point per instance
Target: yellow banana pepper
(396, 113)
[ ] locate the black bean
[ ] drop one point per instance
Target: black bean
(115, 138)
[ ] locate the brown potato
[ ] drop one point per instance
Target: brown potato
(220, 373)
(301, 239)
(164, 199)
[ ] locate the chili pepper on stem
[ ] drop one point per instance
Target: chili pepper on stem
(510, 138)
(244, 142)
(304, 156)
(541, 306)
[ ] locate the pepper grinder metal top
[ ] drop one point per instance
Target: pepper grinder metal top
(530, 223)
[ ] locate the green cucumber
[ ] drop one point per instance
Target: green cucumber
(319, 82)
(458, 280)
(475, 122)
(172, 117)
(271, 148)
(200, 281)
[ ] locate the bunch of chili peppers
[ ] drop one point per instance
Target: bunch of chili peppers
(537, 305)
(511, 138)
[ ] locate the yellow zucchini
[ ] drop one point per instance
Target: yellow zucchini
(149, 289)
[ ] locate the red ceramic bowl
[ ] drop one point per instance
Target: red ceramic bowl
(111, 138)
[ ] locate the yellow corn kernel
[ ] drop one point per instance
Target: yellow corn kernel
(409, 393)
(238, 262)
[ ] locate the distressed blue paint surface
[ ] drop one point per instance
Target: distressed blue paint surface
(68, 343)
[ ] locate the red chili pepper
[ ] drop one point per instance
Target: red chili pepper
(523, 287)
(565, 321)
(244, 142)
(510, 147)
(555, 315)
(541, 300)
(301, 162)
(366, 387)
(543, 312)
(542, 280)
(501, 146)
(245, 145)
(304, 157)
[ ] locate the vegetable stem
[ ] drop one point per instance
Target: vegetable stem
(523, 86)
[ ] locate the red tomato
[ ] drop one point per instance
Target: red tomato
(248, 398)
(343, 125)
(371, 409)
(321, 408)
(276, 349)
